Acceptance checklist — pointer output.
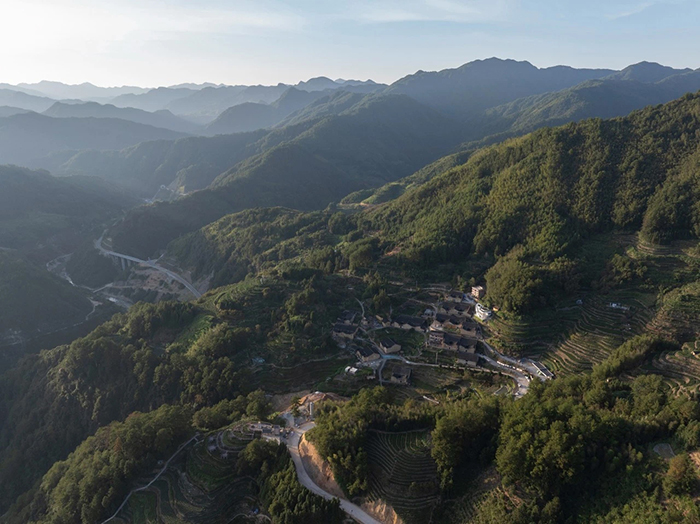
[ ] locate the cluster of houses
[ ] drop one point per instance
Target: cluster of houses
(465, 348)
(451, 326)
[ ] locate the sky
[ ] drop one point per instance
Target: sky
(153, 42)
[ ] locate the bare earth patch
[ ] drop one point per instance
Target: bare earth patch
(382, 512)
(284, 402)
(695, 457)
(318, 469)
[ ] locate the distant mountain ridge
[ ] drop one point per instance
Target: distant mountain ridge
(85, 91)
(162, 118)
(650, 72)
(154, 99)
(479, 85)
(206, 104)
(9, 111)
(24, 101)
(616, 95)
(191, 164)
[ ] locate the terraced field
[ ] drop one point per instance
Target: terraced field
(403, 474)
(199, 487)
(464, 510)
(679, 369)
(679, 312)
(599, 330)
(532, 338)
(576, 337)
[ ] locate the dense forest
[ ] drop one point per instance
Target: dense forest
(530, 202)
(32, 300)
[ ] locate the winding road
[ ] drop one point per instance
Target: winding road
(355, 511)
(171, 274)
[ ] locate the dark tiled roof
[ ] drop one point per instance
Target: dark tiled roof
(411, 321)
(467, 342)
(365, 351)
(452, 339)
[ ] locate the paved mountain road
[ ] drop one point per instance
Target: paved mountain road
(355, 511)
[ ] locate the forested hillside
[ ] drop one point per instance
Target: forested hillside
(530, 201)
(605, 98)
(42, 218)
(333, 254)
(190, 354)
(28, 139)
(33, 300)
(187, 164)
(34, 206)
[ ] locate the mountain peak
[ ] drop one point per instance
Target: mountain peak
(648, 72)
(318, 83)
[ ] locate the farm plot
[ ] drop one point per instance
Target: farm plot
(679, 369)
(403, 474)
(601, 328)
(201, 487)
(308, 375)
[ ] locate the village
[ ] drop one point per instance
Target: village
(435, 327)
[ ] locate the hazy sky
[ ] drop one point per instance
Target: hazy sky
(150, 42)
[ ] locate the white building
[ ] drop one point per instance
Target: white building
(482, 312)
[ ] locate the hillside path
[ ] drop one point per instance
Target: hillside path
(144, 488)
